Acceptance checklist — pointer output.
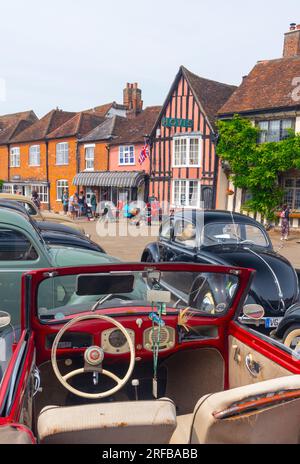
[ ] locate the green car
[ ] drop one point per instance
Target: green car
(22, 249)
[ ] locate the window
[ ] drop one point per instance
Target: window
(15, 157)
(186, 193)
(187, 152)
(126, 155)
(34, 155)
(185, 233)
(62, 153)
(233, 233)
(292, 192)
(166, 228)
(89, 157)
(42, 191)
(61, 185)
(274, 131)
(14, 246)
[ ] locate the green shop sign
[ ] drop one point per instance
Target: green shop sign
(175, 122)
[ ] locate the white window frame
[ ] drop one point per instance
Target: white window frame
(61, 184)
(62, 149)
(184, 189)
(34, 155)
(15, 159)
(91, 159)
(187, 140)
(126, 155)
(41, 189)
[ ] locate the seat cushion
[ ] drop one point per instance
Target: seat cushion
(136, 422)
(274, 424)
(181, 435)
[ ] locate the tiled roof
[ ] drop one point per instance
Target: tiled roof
(11, 131)
(9, 119)
(125, 130)
(268, 86)
(13, 124)
(211, 95)
(105, 130)
(134, 130)
(46, 125)
(79, 125)
(102, 110)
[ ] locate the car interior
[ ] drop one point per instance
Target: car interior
(121, 359)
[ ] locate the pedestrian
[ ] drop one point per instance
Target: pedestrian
(36, 199)
(65, 201)
(81, 202)
(94, 203)
(285, 222)
(73, 205)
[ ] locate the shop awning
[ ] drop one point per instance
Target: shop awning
(125, 179)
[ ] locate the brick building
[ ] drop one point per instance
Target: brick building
(109, 155)
(270, 97)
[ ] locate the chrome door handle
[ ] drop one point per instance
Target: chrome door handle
(253, 367)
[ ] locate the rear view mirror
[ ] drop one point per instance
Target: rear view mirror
(104, 284)
(5, 319)
(254, 311)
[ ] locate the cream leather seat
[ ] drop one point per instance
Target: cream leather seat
(143, 422)
(271, 424)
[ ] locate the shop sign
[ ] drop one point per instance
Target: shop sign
(177, 122)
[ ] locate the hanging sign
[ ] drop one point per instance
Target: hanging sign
(176, 122)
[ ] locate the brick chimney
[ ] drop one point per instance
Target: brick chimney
(292, 41)
(132, 98)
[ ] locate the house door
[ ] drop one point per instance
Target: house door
(207, 197)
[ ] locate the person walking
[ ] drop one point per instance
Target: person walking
(81, 202)
(65, 201)
(36, 199)
(285, 222)
(94, 204)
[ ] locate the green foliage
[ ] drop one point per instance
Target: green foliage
(256, 167)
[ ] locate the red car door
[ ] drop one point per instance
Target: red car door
(17, 383)
(254, 357)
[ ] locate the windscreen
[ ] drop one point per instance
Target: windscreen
(205, 293)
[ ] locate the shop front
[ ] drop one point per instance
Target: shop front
(117, 187)
(26, 188)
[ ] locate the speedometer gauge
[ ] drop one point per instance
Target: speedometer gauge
(117, 339)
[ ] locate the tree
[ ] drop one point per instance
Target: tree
(255, 166)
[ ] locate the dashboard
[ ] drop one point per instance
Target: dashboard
(172, 337)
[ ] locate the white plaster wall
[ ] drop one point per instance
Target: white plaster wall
(297, 127)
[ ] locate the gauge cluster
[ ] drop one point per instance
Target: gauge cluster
(113, 341)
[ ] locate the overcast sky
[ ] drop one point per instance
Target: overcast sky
(76, 54)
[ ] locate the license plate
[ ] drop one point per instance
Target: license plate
(272, 322)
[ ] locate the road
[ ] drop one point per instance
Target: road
(130, 247)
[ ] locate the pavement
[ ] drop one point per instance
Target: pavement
(127, 242)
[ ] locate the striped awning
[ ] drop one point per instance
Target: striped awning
(125, 179)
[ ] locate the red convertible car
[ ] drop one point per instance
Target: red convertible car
(105, 354)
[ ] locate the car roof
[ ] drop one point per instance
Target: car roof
(15, 218)
(13, 205)
(14, 196)
(211, 216)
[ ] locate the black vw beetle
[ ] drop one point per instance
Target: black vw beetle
(222, 237)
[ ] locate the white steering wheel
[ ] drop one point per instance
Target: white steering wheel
(93, 358)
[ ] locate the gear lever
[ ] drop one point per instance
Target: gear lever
(135, 383)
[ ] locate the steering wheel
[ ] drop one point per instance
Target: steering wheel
(93, 358)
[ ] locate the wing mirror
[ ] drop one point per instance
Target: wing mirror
(5, 319)
(254, 311)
